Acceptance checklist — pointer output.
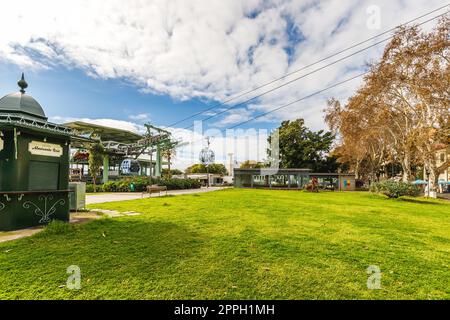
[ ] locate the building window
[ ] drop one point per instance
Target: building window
(260, 181)
(280, 181)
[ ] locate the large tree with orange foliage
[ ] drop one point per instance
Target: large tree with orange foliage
(401, 113)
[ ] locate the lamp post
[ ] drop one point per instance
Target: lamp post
(427, 172)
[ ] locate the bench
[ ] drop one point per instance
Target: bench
(154, 189)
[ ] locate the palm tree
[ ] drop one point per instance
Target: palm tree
(168, 153)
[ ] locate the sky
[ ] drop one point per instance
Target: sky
(123, 64)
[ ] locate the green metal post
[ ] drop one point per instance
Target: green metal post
(105, 168)
(158, 165)
(15, 143)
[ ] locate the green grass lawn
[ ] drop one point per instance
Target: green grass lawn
(241, 244)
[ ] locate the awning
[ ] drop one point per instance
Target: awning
(51, 129)
(105, 133)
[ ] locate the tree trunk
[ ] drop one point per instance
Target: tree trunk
(433, 176)
(406, 168)
(169, 174)
(430, 163)
(357, 170)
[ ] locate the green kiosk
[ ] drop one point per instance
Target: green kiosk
(34, 163)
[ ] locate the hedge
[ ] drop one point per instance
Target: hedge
(394, 189)
(140, 184)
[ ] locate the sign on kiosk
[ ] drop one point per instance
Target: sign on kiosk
(45, 149)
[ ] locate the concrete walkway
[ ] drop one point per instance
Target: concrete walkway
(14, 235)
(444, 196)
(76, 218)
(114, 197)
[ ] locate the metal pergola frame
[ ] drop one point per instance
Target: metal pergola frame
(124, 143)
(16, 120)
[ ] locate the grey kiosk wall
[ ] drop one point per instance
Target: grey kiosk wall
(34, 164)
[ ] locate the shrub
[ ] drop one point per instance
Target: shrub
(90, 188)
(394, 189)
(141, 183)
(109, 186)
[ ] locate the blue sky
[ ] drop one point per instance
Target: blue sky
(160, 61)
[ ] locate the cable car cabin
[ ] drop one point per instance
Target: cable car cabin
(130, 167)
(34, 164)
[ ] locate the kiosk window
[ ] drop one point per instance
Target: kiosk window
(43, 176)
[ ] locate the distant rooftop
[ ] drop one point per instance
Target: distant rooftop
(105, 134)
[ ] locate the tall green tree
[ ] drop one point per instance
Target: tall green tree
(165, 172)
(168, 154)
(249, 164)
(96, 154)
(299, 147)
(215, 168)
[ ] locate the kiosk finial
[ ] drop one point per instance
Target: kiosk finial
(22, 84)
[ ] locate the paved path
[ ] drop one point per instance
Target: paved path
(445, 196)
(14, 235)
(77, 218)
(113, 197)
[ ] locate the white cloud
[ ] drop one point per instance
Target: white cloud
(233, 116)
(113, 123)
(139, 117)
(200, 48)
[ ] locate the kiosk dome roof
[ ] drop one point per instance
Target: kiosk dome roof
(22, 103)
